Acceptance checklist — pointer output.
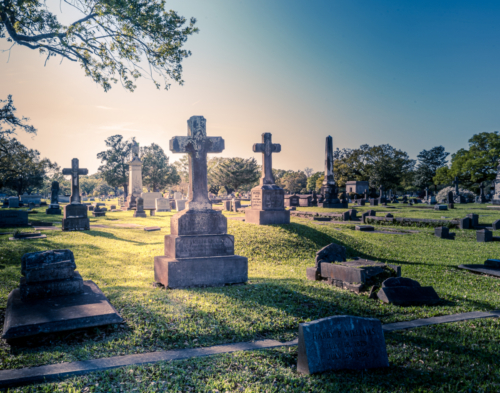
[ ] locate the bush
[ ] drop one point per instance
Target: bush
(442, 195)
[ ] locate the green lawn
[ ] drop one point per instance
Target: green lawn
(452, 357)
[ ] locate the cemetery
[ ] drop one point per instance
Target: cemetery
(140, 256)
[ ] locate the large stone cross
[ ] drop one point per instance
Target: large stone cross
(196, 145)
(75, 173)
(456, 183)
(267, 148)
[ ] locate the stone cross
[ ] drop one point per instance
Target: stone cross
(329, 178)
(75, 173)
(482, 187)
(196, 145)
(456, 182)
(267, 148)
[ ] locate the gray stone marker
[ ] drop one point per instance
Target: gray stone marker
(13, 202)
(331, 253)
(180, 204)
(444, 233)
(226, 206)
(341, 342)
(152, 229)
(162, 205)
(406, 292)
(53, 297)
(485, 235)
(364, 228)
(199, 252)
(268, 200)
(13, 218)
(134, 180)
(54, 199)
(150, 199)
(441, 207)
(329, 187)
(75, 214)
(139, 212)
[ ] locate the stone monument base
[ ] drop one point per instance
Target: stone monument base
(329, 205)
(267, 217)
(75, 218)
(53, 210)
(140, 214)
(25, 318)
(201, 272)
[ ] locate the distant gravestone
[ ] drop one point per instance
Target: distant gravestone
(474, 219)
(13, 202)
(75, 214)
(177, 195)
(54, 199)
(180, 204)
(162, 205)
(139, 212)
(13, 218)
(226, 205)
(149, 199)
(402, 291)
(441, 207)
(496, 225)
(341, 342)
(364, 228)
(464, 223)
(444, 233)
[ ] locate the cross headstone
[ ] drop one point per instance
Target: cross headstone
(267, 148)
(456, 183)
(196, 145)
(75, 171)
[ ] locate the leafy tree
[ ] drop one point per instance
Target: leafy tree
(110, 41)
(379, 165)
(475, 165)
(103, 188)
(115, 162)
(8, 118)
(156, 173)
(308, 171)
(295, 182)
(319, 182)
(182, 167)
(233, 173)
(26, 170)
(311, 181)
(429, 161)
(88, 184)
(279, 175)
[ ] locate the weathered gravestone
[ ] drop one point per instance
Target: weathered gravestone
(13, 218)
(329, 189)
(75, 214)
(13, 202)
(53, 297)
(54, 199)
(98, 211)
(464, 223)
(177, 195)
(292, 200)
(485, 235)
(331, 253)
(139, 211)
(135, 179)
(149, 199)
(444, 233)
(162, 205)
(402, 291)
(199, 252)
(268, 200)
(490, 267)
(226, 206)
(341, 342)
(235, 205)
(364, 228)
(496, 225)
(180, 204)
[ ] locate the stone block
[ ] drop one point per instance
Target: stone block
(150, 199)
(484, 235)
(188, 222)
(313, 274)
(44, 289)
(408, 295)
(180, 204)
(13, 202)
(365, 228)
(140, 214)
(441, 207)
(496, 225)
(444, 233)
(269, 197)
(353, 215)
(226, 206)
(200, 272)
(13, 218)
(464, 223)
(474, 219)
(492, 263)
(341, 342)
(29, 318)
(34, 262)
(267, 217)
(346, 216)
(162, 205)
(75, 224)
(53, 210)
(198, 246)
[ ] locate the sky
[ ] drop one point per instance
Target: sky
(411, 74)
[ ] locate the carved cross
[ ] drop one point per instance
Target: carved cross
(196, 145)
(75, 173)
(267, 148)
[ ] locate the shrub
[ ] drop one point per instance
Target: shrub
(442, 195)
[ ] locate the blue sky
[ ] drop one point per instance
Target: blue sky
(411, 74)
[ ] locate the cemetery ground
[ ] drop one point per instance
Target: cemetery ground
(117, 254)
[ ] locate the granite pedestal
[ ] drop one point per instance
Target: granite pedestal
(75, 218)
(267, 206)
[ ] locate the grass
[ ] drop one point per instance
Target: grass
(453, 357)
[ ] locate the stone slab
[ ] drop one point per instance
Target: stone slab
(409, 296)
(45, 289)
(189, 222)
(267, 217)
(341, 342)
(13, 218)
(199, 246)
(365, 228)
(29, 318)
(483, 269)
(200, 272)
(40, 236)
(152, 229)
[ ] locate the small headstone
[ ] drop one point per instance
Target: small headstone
(353, 215)
(331, 253)
(441, 207)
(180, 204)
(444, 233)
(474, 219)
(496, 225)
(226, 205)
(113, 207)
(484, 235)
(162, 205)
(374, 202)
(139, 212)
(13, 202)
(13, 218)
(389, 215)
(151, 229)
(341, 342)
(406, 292)
(464, 223)
(177, 195)
(364, 228)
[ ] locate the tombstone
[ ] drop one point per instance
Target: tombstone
(54, 199)
(173, 205)
(13, 202)
(199, 252)
(5, 204)
(268, 200)
(235, 205)
(449, 200)
(177, 195)
(458, 198)
(53, 297)
(139, 212)
(402, 291)
(464, 223)
(485, 235)
(444, 233)
(496, 225)
(149, 199)
(361, 202)
(496, 194)
(331, 253)
(474, 219)
(180, 204)
(341, 342)
(292, 200)
(367, 194)
(98, 211)
(75, 214)
(482, 197)
(13, 218)
(404, 199)
(305, 200)
(135, 179)
(162, 205)
(329, 187)
(374, 202)
(226, 206)
(314, 199)
(441, 207)
(381, 198)
(353, 215)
